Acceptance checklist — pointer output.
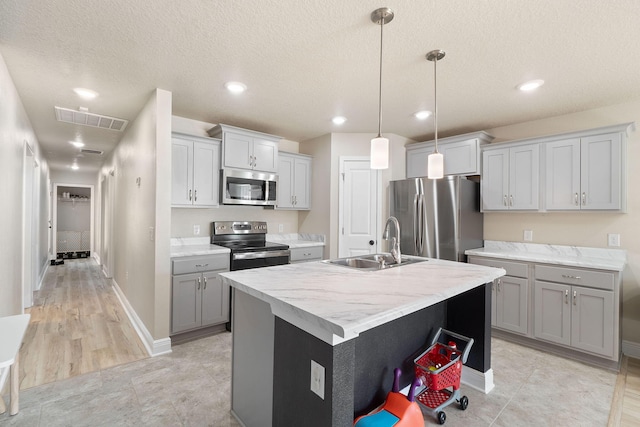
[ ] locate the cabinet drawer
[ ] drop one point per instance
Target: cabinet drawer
(575, 276)
(516, 269)
(197, 264)
(306, 254)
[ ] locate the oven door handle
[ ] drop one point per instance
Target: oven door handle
(263, 254)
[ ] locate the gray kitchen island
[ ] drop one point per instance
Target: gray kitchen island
(315, 344)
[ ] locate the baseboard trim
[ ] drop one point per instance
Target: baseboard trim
(481, 381)
(631, 349)
(42, 275)
(95, 256)
(153, 347)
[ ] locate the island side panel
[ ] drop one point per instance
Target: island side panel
(469, 314)
(393, 345)
(252, 360)
(294, 404)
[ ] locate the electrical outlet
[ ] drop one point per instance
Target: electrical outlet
(528, 235)
(317, 379)
(196, 230)
(280, 228)
(614, 239)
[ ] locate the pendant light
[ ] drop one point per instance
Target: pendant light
(379, 144)
(435, 161)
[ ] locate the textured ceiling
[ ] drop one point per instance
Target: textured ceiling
(307, 61)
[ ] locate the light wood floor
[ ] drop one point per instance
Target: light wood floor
(77, 326)
(625, 408)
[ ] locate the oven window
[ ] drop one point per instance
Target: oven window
(245, 189)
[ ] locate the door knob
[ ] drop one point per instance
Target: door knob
(372, 242)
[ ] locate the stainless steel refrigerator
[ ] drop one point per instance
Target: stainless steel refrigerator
(439, 218)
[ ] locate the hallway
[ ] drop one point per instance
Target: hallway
(77, 326)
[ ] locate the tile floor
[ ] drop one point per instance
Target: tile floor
(191, 387)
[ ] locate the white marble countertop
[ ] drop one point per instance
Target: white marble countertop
(297, 240)
(336, 303)
(574, 256)
(191, 246)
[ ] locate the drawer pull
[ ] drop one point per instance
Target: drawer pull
(202, 265)
(566, 296)
(566, 276)
(575, 294)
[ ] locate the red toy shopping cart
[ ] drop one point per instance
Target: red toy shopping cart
(439, 369)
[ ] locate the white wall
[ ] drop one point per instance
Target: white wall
(584, 228)
(15, 131)
(142, 213)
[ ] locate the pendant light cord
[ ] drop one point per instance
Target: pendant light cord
(380, 82)
(435, 99)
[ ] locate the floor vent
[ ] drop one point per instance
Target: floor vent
(89, 119)
(89, 151)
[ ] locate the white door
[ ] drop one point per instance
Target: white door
(359, 207)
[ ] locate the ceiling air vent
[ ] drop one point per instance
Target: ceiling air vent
(89, 151)
(89, 119)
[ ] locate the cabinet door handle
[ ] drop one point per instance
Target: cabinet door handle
(190, 195)
(195, 195)
(584, 199)
(575, 294)
(295, 200)
(510, 200)
(499, 282)
(198, 283)
(567, 276)
(575, 199)
(205, 283)
(504, 200)
(566, 296)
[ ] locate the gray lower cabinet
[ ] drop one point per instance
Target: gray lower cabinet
(199, 298)
(312, 253)
(509, 296)
(581, 317)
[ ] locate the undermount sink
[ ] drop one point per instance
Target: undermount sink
(373, 261)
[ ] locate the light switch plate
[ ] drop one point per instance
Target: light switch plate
(613, 240)
(196, 230)
(528, 235)
(317, 379)
(280, 228)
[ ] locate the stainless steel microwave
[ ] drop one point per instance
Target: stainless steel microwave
(244, 187)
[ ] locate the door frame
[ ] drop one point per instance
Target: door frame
(54, 198)
(29, 225)
(378, 232)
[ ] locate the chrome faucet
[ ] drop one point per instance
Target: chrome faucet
(395, 241)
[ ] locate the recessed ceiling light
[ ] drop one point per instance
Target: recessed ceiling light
(77, 144)
(235, 87)
(85, 93)
(338, 120)
(74, 167)
(530, 85)
(422, 115)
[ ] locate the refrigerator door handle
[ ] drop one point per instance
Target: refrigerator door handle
(416, 211)
(421, 225)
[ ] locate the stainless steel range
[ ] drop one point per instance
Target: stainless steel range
(249, 248)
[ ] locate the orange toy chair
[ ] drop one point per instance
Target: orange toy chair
(397, 411)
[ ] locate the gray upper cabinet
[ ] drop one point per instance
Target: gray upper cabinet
(461, 155)
(195, 165)
(510, 177)
(247, 149)
(294, 181)
(584, 173)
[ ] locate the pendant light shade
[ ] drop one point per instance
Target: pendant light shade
(435, 161)
(380, 144)
(379, 153)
